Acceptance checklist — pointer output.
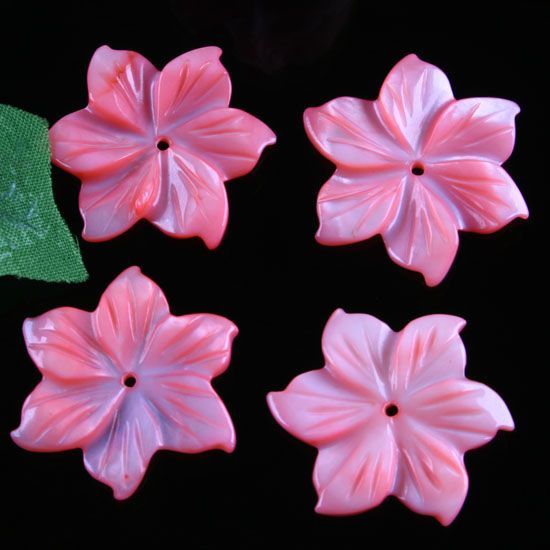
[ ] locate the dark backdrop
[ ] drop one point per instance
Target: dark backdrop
(279, 286)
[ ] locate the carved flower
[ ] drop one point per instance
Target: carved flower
(415, 166)
(391, 414)
(126, 380)
(157, 145)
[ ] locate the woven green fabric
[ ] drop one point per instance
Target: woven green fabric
(35, 242)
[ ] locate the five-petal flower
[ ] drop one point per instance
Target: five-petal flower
(415, 166)
(391, 414)
(126, 380)
(157, 145)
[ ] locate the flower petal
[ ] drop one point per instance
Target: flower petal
(356, 473)
(199, 344)
(348, 131)
(119, 85)
(423, 236)
(317, 409)
(483, 196)
(62, 415)
(189, 85)
(466, 414)
(410, 97)
(113, 205)
(355, 206)
(479, 128)
(86, 146)
(432, 479)
(429, 349)
(357, 349)
(193, 202)
(195, 418)
(62, 344)
(129, 311)
(230, 140)
(121, 455)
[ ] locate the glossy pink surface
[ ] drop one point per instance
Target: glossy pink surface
(415, 166)
(391, 414)
(157, 145)
(126, 380)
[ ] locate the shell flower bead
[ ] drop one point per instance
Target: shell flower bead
(415, 166)
(157, 145)
(126, 380)
(391, 414)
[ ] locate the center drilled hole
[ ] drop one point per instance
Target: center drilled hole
(162, 145)
(130, 381)
(391, 410)
(417, 169)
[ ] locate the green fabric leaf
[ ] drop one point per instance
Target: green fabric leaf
(35, 242)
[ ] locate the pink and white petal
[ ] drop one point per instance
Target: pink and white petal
(466, 414)
(198, 344)
(193, 202)
(349, 132)
(432, 479)
(121, 455)
(428, 350)
(194, 417)
(86, 146)
(59, 415)
(318, 409)
(112, 205)
(483, 196)
(423, 236)
(128, 313)
(480, 128)
(120, 87)
(412, 94)
(357, 349)
(357, 472)
(230, 140)
(191, 84)
(354, 206)
(62, 344)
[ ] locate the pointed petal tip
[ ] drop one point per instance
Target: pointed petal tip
(229, 445)
(211, 243)
(411, 57)
(506, 422)
(436, 318)
(105, 48)
(123, 494)
(432, 281)
(446, 520)
(338, 312)
(14, 434)
(432, 278)
(271, 137)
(216, 50)
(271, 403)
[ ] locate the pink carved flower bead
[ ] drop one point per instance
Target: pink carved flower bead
(391, 414)
(415, 166)
(157, 145)
(126, 380)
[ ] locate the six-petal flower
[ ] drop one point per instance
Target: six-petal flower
(126, 380)
(157, 145)
(391, 414)
(415, 166)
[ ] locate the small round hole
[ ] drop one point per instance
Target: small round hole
(130, 381)
(417, 169)
(391, 409)
(162, 145)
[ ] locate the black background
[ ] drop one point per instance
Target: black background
(271, 278)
